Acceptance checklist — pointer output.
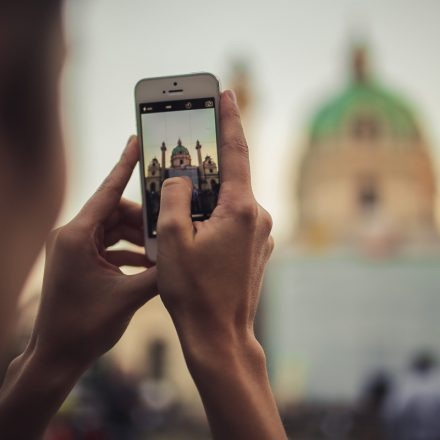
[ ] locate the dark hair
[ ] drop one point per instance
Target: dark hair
(26, 30)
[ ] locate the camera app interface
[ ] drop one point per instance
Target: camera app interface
(179, 139)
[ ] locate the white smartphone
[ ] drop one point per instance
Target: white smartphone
(178, 130)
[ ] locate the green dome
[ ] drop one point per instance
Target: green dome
(179, 149)
(364, 97)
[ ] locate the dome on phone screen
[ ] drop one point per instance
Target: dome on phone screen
(179, 149)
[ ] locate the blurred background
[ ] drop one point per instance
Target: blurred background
(341, 106)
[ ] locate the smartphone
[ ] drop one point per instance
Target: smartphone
(178, 131)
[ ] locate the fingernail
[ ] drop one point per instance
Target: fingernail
(130, 139)
(231, 96)
(188, 180)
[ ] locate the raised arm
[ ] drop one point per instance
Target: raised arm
(209, 278)
(86, 304)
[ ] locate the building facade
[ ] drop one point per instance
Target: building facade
(204, 175)
(366, 177)
(358, 290)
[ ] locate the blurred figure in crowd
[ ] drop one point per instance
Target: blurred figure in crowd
(368, 417)
(87, 302)
(411, 411)
(158, 396)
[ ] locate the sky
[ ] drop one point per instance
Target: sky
(189, 126)
(297, 52)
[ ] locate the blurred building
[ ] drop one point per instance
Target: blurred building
(366, 177)
(240, 78)
(358, 290)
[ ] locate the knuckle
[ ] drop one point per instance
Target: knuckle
(124, 158)
(106, 182)
(69, 236)
(237, 143)
(270, 245)
(63, 237)
(247, 211)
(169, 226)
(266, 222)
(231, 112)
(124, 163)
(107, 185)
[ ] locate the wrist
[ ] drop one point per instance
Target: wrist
(235, 363)
(43, 370)
(231, 377)
(34, 385)
(212, 349)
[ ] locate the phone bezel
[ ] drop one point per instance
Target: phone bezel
(193, 85)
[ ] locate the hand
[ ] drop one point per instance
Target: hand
(209, 278)
(87, 302)
(209, 273)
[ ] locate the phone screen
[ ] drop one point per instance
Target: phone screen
(179, 138)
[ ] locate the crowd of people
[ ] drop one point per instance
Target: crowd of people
(110, 404)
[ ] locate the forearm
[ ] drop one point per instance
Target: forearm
(33, 390)
(233, 384)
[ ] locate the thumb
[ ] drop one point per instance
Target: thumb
(109, 194)
(234, 150)
(174, 223)
(140, 288)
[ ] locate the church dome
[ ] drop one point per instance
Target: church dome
(366, 164)
(366, 98)
(179, 149)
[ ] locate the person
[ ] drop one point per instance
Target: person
(87, 302)
(410, 411)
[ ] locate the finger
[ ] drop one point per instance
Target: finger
(112, 220)
(124, 232)
(234, 153)
(127, 258)
(128, 212)
(141, 287)
(131, 213)
(107, 197)
(175, 210)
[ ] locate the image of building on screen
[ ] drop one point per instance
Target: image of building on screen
(204, 177)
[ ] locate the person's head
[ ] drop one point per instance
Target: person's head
(423, 362)
(31, 147)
